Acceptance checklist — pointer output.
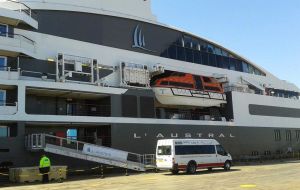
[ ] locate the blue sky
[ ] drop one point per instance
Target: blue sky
(265, 31)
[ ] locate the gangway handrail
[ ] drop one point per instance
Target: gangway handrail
(43, 145)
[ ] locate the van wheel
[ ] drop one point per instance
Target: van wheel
(227, 166)
(192, 168)
(175, 172)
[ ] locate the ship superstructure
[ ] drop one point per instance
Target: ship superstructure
(108, 73)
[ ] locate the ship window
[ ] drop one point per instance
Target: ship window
(197, 57)
(251, 69)
(189, 55)
(4, 131)
(277, 135)
(204, 58)
(203, 47)
(212, 60)
(188, 43)
(232, 64)
(172, 51)
(3, 63)
(2, 97)
(210, 49)
(181, 53)
(218, 51)
(288, 134)
(219, 61)
(226, 62)
(3, 30)
(224, 53)
(245, 67)
(298, 135)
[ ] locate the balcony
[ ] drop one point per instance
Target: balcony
(8, 108)
(8, 73)
(13, 13)
(15, 44)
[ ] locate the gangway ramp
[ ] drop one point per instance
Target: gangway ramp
(80, 150)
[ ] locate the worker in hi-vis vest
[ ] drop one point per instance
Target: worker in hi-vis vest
(45, 165)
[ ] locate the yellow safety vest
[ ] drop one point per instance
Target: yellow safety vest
(45, 162)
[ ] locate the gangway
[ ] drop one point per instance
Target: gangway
(80, 150)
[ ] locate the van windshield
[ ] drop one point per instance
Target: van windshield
(164, 150)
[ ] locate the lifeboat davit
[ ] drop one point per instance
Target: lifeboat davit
(189, 90)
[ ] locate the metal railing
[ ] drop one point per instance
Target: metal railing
(4, 103)
(17, 36)
(238, 89)
(36, 142)
(74, 109)
(9, 69)
(19, 6)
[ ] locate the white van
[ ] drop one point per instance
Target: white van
(191, 154)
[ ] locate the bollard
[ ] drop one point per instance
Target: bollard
(126, 171)
(102, 172)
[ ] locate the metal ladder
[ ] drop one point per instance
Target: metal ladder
(90, 152)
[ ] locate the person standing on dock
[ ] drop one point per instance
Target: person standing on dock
(45, 165)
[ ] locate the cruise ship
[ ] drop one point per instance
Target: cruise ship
(108, 73)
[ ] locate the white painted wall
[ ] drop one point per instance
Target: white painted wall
(138, 9)
(242, 116)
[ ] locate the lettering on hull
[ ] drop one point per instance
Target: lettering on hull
(185, 135)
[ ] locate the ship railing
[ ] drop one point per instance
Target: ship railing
(149, 161)
(36, 142)
(35, 74)
(18, 6)
(22, 41)
(238, 89)
(75, 109)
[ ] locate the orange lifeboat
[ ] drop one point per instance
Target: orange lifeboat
(189, 90)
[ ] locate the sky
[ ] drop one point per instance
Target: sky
(267, 32)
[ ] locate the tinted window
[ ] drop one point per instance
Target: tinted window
(245, 67)
(2, 97)
(181, 53)
(204, 58)
(194, 149)
(3, 30)
(197, 57)
(2, 63)
(4, 131)
(172, 52)
(164, 150)
(212, 60)
(220, 150)
(189, 55)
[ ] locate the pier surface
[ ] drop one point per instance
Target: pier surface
(262, 176)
